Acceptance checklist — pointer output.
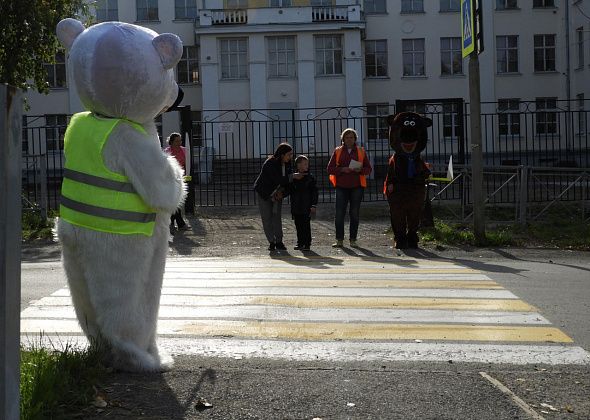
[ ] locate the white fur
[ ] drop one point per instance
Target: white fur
(115, 280)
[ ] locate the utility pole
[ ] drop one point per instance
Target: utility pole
(10, 238)
(472, 43)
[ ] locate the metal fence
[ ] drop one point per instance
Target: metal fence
(229, 147)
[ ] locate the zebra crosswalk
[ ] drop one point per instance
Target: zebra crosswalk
(335, 309)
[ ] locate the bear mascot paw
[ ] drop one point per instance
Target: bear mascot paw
(119, 188)
(405, 184)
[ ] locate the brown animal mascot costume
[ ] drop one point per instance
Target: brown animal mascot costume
(405, 184)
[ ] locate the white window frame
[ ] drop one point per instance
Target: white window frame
(450, 6)
(377, 127)
(108, 8)
(236, 4)
(504, 53)
(509, 118)
(453, 54)
(409, 56)
(379, 58)
(547, 51)
(329, 59)
(374, 7)
(56, 72)
(189, 66)
(281, 57)
(412, 6)
(188, 9)
(547, 117)
(451, 120)
(150, 7)
(233, 58)
(506, 4)
(55, 130)
(280, 3)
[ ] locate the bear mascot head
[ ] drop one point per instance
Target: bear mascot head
(119, 188)
(407, 173)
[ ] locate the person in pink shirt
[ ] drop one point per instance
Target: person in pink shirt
(176, 149)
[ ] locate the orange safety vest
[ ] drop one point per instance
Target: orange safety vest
(361, 156)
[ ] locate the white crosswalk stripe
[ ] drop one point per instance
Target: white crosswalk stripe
(335, 309)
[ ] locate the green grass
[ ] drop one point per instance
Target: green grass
(35, 228)
(461, 234)
(58, 384)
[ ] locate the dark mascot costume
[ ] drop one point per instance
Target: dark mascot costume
(405, 185)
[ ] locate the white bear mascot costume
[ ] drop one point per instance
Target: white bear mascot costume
(119, 188)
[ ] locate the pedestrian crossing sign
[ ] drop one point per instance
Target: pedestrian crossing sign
(467, 27)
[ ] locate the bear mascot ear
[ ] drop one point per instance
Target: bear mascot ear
(426, 121)
(68, 30)
(169, 47)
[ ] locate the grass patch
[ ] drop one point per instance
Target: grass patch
(461, 234)
(35, 228)
(58, 384)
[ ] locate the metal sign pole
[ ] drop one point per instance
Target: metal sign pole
(10, 239)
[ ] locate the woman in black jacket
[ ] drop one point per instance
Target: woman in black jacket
(271, 186)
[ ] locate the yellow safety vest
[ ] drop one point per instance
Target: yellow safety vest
(361, 156)
(92, 195)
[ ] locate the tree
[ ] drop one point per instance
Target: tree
(28, 39)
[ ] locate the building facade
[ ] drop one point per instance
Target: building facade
(293, 59)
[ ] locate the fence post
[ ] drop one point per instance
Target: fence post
(44, 201)
(523, 196)
(10, 238)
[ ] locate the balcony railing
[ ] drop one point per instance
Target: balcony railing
(229, 17)
(329, 13)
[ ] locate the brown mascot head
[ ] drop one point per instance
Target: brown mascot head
(408, 132)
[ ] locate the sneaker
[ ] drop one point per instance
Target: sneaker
(298, 247)
(353, 243)
(306, 248)
(271, 246)
(280, 246)
(338, 244)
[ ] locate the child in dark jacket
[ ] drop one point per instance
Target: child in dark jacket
(304, 198)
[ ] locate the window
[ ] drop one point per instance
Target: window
(234, 58)
(543, 3)
(377, 128)
(187, 69)
(413, 57)
(544, 52)
(582, 117)
(280, 3)
(546, 115)
(328, 54)
(56, 72)
(506, 4)
(450, 5)
(55, 129)
(509, 117)
(321, 3)
(197, 128)
(185, 9)
(107, 10)
(451, 122)
(147, 10)
(507, 54)
(412, 6)
(236, 4)
(375, 6)
(376, 58)
(281, 56)
(451, 60)
(580, 42)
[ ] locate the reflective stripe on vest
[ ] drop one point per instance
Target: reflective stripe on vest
(361, 156)
(93, 196)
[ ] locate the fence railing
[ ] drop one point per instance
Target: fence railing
(229, 147)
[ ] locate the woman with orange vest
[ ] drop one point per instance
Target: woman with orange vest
(348, 169)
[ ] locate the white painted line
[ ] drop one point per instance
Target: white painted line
(332, 291)
(353, 351)
(266, 313)
(327, 275)
(523, 405)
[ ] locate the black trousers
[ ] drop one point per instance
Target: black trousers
(177, 217)
(303, 226)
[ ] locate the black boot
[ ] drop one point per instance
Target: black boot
(280, 246)
(271, 246)
(401, 240)
(413, 240)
